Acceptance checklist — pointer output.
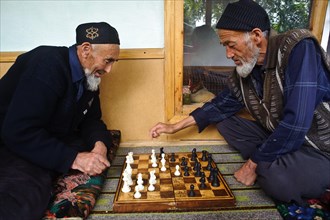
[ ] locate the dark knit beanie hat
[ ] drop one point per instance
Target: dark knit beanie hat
(244, 15)
(96, 33)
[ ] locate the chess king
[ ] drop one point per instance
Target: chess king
(283, 80)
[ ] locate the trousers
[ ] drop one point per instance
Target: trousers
(25, 188)
(293, 177)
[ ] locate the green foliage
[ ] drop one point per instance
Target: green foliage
(284, 14)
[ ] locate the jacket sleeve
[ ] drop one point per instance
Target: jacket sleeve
(24, 129)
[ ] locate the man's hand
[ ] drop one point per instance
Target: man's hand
(160, 127)
(246, 174)
(94, 162)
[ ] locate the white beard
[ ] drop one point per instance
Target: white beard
(246, 68)
(92, 82)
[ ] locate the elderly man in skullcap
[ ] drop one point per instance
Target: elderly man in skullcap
(284, 82)
(50, 118)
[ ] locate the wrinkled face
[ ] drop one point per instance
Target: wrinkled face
(98, 60)
(241, 49)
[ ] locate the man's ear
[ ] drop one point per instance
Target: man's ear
(257, 35)
(86, 49)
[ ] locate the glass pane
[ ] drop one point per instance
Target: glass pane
(206, 67)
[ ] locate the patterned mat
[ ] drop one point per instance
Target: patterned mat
(316, 209)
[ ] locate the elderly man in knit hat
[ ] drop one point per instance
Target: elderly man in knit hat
(50, 118)
(284, 82)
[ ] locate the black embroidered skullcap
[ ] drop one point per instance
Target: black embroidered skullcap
(244, 15)
(96, 33)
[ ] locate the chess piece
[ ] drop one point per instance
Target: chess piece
(204, 157)
(211, 177)
(163, 161)
(128, 165)
(139, 182)
(154, 161)
(193, 155)
(153, 154)
(202, 185)
(152, 179)
(151, 187)
(137, 193)
(183, 163)
(128, 177)
(191, 192)
(209, 164)
(198, 170)
(202, 176)
(161, 151)
(186, 171)
(126, 188)
(172, 157)
(177, 171)
(130, 157)
(215, 181)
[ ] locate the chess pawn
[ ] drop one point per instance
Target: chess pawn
(151, 186)
(177, 171)
(137, 193)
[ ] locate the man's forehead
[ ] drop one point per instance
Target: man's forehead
(226, 35)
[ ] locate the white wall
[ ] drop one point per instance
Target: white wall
(25, 24)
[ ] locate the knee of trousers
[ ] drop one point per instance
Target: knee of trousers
(278, 186)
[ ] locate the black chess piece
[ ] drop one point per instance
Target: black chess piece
(191, 192)
(204, 157)
(161, 152)
(215, 181)
(186, 171)
(209, 164)
(193, 155)
(198, 170)
(211, 177)
(202, 176)
(183, 161)
(172, 157)
(202, 185)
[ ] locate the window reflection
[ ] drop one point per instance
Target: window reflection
(206, 67)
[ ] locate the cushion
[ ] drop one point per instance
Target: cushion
(75, 193)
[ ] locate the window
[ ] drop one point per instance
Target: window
(284, 15)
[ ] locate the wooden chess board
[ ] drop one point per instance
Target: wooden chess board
(171, 192)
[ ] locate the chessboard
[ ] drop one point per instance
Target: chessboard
(178, 188)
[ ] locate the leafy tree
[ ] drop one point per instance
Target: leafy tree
(284, 14)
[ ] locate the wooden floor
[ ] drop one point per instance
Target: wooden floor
(251, 202)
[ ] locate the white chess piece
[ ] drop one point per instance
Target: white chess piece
(153, 154)
(126, 188)
(152, 179)
(139, 182)
(128, 177)
(163, 161)
(130, 156)
(137, 193)
(128, 165)
(177, 172)
(154, 161)
(151, 186)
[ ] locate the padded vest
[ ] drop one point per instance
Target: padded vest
(267, 111)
